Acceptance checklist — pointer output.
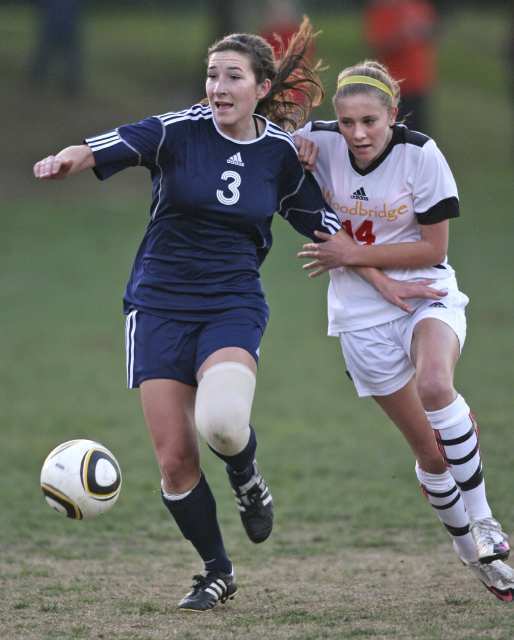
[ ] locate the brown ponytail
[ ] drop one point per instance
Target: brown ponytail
(295, 85)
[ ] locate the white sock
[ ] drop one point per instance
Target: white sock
(445, 497)
(174, 496)
(457, 435)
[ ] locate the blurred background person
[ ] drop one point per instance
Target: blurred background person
(510, 74)
(57, 55)
(281, 21)
(402, 35)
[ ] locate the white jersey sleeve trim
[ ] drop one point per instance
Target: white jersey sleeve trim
(104, 141)
(110, 139)
(276, 132)
(196, 112)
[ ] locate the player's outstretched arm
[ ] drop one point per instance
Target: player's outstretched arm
(340, 250)
(66, 163)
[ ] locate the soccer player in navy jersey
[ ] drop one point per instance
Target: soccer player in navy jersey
(195, 309)
(394, 194)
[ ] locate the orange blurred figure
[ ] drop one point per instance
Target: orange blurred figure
(402, 35)
(282, 22)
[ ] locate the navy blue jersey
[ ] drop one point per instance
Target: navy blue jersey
(213, 200)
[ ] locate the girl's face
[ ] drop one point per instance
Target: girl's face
(233, 92)
(365, 123)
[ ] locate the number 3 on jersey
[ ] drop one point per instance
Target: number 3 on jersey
(233, 180)
(364, 232)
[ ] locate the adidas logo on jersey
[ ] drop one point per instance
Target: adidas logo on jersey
(437, 304)
(360, 194)
(236, 159)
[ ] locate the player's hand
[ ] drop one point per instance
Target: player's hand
(307, 152)
(52, 168)
(335, 251)
(398, 292)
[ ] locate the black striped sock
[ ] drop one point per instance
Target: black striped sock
(456, 432)
(446, 499)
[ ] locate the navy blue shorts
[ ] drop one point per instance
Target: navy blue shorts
(158, 347)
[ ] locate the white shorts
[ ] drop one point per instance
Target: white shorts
(378, 358)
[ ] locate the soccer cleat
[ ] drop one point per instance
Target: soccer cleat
(496, 576)
(208, 590)
(255, 504)
(492, 543)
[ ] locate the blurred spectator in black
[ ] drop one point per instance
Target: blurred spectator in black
(510, 72)
(402, 35)
(57, 56)
(223, 18)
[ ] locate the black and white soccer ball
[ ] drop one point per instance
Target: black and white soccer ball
(81, 479)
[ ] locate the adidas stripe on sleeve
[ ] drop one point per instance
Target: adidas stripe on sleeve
(127, 146)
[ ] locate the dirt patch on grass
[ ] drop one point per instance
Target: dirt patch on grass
(373, 594)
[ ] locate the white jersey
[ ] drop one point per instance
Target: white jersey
(408, 185)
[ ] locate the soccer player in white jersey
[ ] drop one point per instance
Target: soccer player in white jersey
(194, 304)
(394, 194)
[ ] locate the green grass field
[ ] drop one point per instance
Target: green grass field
(356, 553)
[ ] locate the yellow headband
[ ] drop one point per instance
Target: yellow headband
(364, 80)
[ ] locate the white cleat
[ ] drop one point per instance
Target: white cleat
(496, 576)
(492, 543)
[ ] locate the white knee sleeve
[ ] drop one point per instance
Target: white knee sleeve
(223, 406)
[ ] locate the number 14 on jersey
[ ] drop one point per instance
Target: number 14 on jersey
(363, 233)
